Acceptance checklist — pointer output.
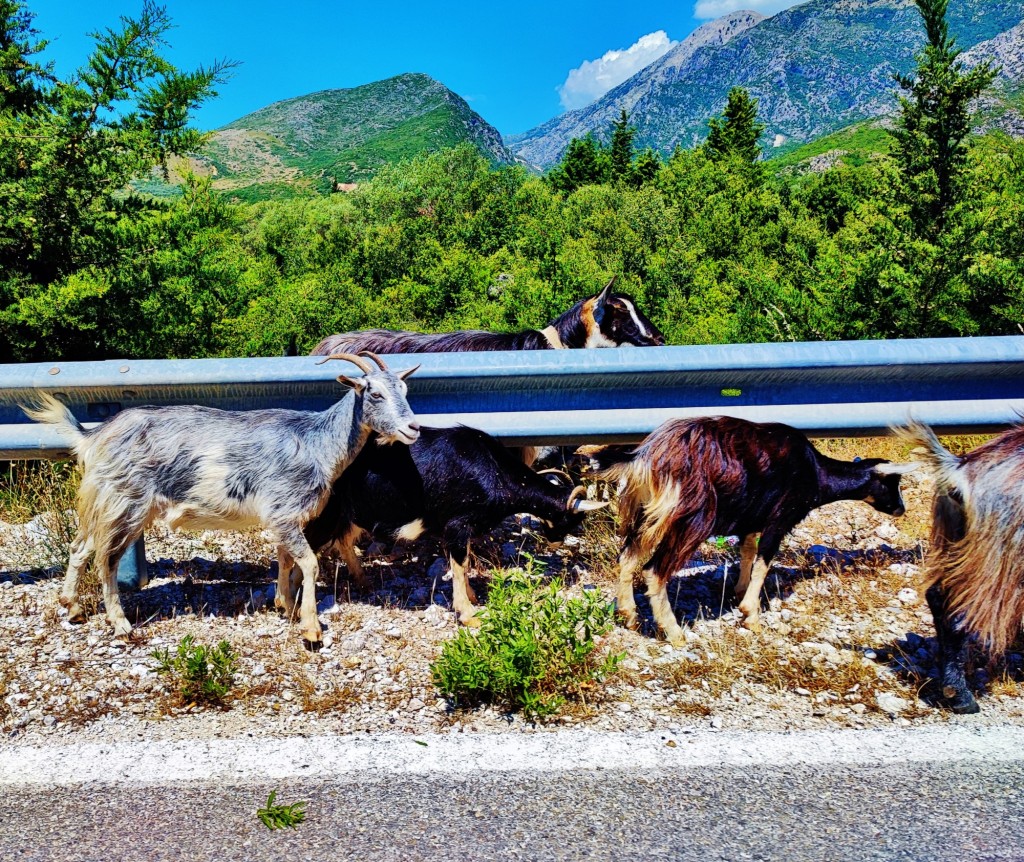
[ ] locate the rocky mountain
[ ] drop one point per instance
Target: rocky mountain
(341, 136)
(814, 68)
(545, 144)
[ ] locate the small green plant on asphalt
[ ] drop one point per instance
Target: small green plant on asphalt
(281, 816)
(534, 648)
(198, 674)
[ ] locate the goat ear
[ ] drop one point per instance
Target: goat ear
(589, 505)
(403, 374)
(356, 383)
(888, 469)
(606, 291)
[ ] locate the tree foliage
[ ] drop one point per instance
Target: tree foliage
(737, 132)
(68, 151)
(714, 247)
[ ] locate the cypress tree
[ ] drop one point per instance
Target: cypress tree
(737, 131)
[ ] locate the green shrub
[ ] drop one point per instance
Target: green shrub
(281, 816)
(533, 650)
(198, 674)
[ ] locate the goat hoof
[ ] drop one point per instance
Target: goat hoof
(471, 621)
(629, 620)
(963, 704)
(752, 624)
(122, 628)
(75, 612)
(313, 645)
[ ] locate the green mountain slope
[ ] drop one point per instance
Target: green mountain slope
(341, 136)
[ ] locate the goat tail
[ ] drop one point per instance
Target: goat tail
(943, 464)
(44, 408)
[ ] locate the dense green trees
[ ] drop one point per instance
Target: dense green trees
(715, 246)
(69, 228)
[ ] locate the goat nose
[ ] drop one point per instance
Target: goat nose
(415, 426)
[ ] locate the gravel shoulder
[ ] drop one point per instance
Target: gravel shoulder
(847, 643)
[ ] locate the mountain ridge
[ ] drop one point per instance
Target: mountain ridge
(814, 68)
(335, 136)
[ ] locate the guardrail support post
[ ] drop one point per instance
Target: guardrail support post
(131, 571)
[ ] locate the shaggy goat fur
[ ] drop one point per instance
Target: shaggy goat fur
(977, 538)
(201, 468)
(695, 477)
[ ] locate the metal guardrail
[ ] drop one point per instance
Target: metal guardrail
(568, 396)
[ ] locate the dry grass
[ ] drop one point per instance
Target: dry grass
(45, 490)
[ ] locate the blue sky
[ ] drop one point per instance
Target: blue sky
(514, 62)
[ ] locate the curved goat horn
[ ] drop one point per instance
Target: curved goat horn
(357, 361)
(889, 469)
(375, 358)
(554, 471)
(578, 493)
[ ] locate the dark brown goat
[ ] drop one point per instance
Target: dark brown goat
(975, 567)
(606, 320)
(693, 478)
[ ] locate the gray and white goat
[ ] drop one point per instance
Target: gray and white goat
(202, 468)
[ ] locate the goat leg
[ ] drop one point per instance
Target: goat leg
(81, 550)
(463, 597)
(284, 594)
(952, 654)
(661, 607)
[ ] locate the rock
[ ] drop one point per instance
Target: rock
(435, 615)
(908, 596)
(887, 532)
(415, 704)
(624, 706)
(891, 704)
(393, 632)
(510, 552)
(259, 670)
(803, 692)
(716, 723)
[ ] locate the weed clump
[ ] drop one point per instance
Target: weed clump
(198, 674)
(534, 648)
(275, 816)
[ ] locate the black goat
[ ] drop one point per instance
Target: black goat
(974, 569)
(606, 320)
(457, 483)
(692, 478)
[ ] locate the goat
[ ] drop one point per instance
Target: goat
(606, 320)
(455, 482)
(692, 478)
(973, 571)
(202, 468)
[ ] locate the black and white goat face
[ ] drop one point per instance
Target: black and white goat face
(613, 320)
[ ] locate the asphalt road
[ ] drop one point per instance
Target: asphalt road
(896, 797)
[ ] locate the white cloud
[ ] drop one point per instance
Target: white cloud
(716, 8)
(594, 78)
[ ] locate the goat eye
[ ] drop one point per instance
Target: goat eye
(377, 396)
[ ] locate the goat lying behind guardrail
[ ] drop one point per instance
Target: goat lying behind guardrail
(202, 468)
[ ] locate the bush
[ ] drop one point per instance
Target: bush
(533, 650)
(198, 674)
